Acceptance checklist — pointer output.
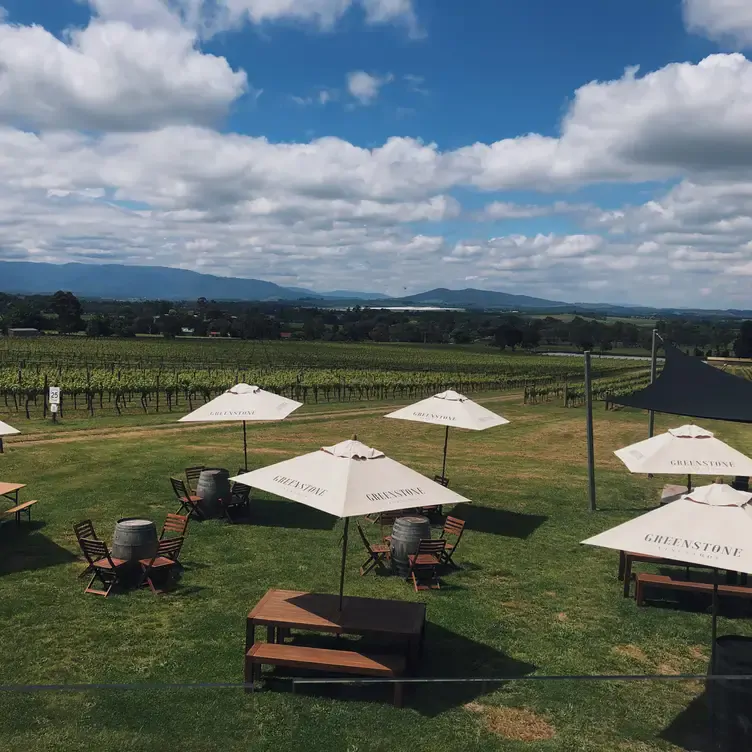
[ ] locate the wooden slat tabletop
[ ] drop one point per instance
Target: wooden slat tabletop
(320, 612)
(7, 488)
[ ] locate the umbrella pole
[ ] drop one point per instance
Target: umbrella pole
(714, 628)
(245, 448)
(689, 483)
(344, 558)
(713, 633)
(446, 444)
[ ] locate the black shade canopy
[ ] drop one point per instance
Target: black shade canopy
(690, 386)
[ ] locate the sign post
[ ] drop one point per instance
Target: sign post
(54, 400)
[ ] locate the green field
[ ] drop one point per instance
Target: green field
(528, 601)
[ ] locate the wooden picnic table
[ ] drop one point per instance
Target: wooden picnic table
(627, 558)
(282, 610)
(10, 490)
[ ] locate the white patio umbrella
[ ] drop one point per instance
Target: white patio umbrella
(688, 449)
(6, 430)
(450, 409)
(243, 402)
(711, 525)
(347, 480)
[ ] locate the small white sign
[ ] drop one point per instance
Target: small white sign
(53, 407)
(54, 396)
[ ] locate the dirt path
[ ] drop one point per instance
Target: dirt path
(140, 432)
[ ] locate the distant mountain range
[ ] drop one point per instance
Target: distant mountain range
(120, 282)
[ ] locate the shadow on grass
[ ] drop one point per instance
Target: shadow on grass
(446, 655)
(498, 521)
(288, 514)
(25, 549)
(693, 730)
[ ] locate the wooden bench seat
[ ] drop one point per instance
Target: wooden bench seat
(322, 659)
(672, 583)
(24, 507)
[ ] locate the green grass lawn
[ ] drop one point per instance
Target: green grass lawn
(529, 600)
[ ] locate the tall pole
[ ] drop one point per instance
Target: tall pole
(245, 448)
(653, 364)
(446, 443)
(590, 446)
(344, 557)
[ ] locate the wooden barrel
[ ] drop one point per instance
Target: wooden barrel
(134, 539)
(213, 485)
(407, 533)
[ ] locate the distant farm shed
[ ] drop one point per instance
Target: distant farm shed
(23, 332)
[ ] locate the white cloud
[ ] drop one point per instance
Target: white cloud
(330, 213)
(111, 76)
(213, 16)
(728, 21)
(684, 119)
(500, 210)
(365, 87)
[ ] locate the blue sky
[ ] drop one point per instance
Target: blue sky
(384, 144)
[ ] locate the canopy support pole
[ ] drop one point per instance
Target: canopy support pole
(713, 634)
(344, 558)
(653, 368)
(689, 483)
(245, 448)
(590, 447)
(446, 444)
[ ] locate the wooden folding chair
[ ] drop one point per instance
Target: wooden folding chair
(425, 563)
(192, 474)
(106, 569)
(452, 534)
(239, 502)
(174, 525)
(85, 529)
(387, 520)
(163, 563)
(378, 553)
(188, 502)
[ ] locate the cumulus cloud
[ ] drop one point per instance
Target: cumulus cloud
(500, 210)
(147, 180)
(728, 21)
(111, 76)
(365, 87)
(213, 16)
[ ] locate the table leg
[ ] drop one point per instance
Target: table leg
(627, 574)
(250, 634)
(622, 562)
(271, 633)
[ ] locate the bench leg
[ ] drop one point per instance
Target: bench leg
(639, 594)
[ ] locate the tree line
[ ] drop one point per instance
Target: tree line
(64, 313)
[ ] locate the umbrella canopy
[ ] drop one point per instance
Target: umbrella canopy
(688, 449)
(6, 430)
(347, 480)
(243, 402)
(450, 409)
(711, 525)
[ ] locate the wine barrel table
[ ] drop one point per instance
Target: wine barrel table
(132, 540)
(213, 488)
(407, 533)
